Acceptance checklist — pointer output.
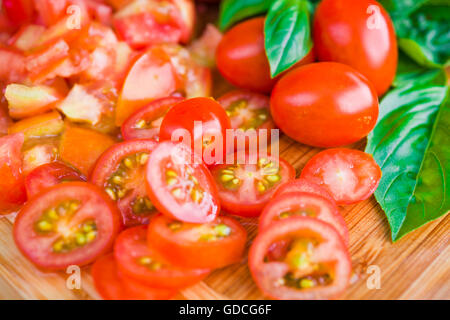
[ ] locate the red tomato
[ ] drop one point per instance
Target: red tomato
(303, 185)
(358, 33)
(68, 224)
(303, 204)
(120, 171)
(19, 11)
(212, 245)
(180, 185)
(12, 65)
(5, 120)
(349, 175)
(245, 188)
(314, 265)
(12, 185)
(51, 11)
(112, 285)
(49, 175)
(242, 60)
(138, 260)
(209, 137)
(340, 112)
(146, 121)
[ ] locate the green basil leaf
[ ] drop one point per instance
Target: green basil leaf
(411, 144)
(232, 11)
(287, 34)
(401, 7)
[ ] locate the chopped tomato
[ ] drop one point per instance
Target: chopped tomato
(138, 260)
(180, 185)
(27, 37)
(120, 171)
(44, 125)
(37, 155)
(146, 121)
(314, 262)
(203, 49)
(212, 245)
(49, 175)
(19, 11)
(246, 186)
(5, 120)
(68, 224)
(350, 176)
(12, 65)
(303, 185)
(50, 11)
(82, 147)
(12, 186)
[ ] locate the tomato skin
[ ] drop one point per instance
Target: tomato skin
(214, 120)
(303, 185)
(266, 274)
(177, 248)
(324, 210)
(342, 34)
(18, 11)
(362, 174)
(12, 65)
(339, 113)
(49, 175)
(154, 111)
(242, 60)
(95, 205)
(132, 244)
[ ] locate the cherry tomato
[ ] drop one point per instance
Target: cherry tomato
(146, 121)
(12, 186)
(314, 265)
(180, 185)
(49, 175)
(340, 112)
(358, 33)
(212, 245)
(305, 204)
(303, 185)
(245, 188)
(120, 171)
(209, 137)
(112, 285)
(138, 260)
(242, 60)
(349, 175)
(68, 224)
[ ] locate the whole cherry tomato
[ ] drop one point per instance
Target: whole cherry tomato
(358, 33)
(242, 60)
(341, 111)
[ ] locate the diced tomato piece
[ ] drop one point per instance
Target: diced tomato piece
(118, 4)
(44, 125)
(100, 11)
(12, 65)
(5, 120)
(50, 11)
(19, 11)
(203, 49)
(27, 37)
(38, 155)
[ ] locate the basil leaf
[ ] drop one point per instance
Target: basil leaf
(232, 11)
(401, 7)
(411, 144)
(287, 34)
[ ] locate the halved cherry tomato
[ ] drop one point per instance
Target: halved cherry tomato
(303, 185)
(339, 112)
(49, 175)
(43, 125)
(120, 171)
(82, 147)
(112, 285)
(349, 175)
(68, 224)
(242, 60)
(306, 204)
(245, 188)
(180, 185)
(145, 122)
(19, 11)
(12, 186)
(314, 263)
(138, 260)
(212, 245)
(206, 123)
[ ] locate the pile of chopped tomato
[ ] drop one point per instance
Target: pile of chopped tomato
(93, 93)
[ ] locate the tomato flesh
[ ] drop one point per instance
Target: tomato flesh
(303, 185)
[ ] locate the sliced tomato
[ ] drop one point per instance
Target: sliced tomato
(146, 121)
(350, 176)
(314, 262)
(12, 185)
(12, 65)
(68, 224)
(212, 245)
(304, 204)
(19, 11)
(246, 186)
(27, 37)
(120, 171)
(303, 185)
(180, 185)
(49, 175)
(138, 260)
(112, 285)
